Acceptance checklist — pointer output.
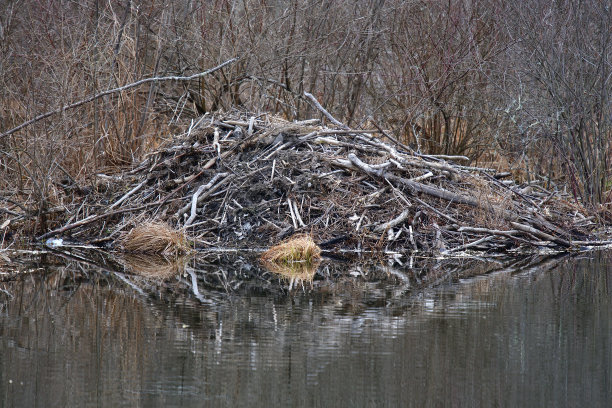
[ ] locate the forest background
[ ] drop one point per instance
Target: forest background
(521, 86)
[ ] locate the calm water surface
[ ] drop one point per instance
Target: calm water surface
(533, 336)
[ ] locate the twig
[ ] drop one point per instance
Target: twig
(423, 177)
(471, 244)
(291, 212)
(115, 90)
(396, 221)
(297, 215)
(540, 234)
(250, 128)
(281, 147)
(508, 233)
(216, 144)
(412, 241)
(211, 187)
(592, 243)
(359, 222)
(324, 111)
(345, 131)
(421, 188)
(394, 140)
(92, 218)
(518, 193)
(194, 205)
(445, 157)
(127, 195)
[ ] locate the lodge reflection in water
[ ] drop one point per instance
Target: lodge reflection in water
(521, 336)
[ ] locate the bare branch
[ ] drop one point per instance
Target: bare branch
(114, 90)
(324, 111)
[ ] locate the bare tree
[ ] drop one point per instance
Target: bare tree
(561, 86)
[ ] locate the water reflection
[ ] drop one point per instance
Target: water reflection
(296, 273)
(534, 332)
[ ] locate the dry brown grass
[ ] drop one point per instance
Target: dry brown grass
(154, 238)
(298, 249)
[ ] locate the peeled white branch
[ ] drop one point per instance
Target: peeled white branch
(324, 111)
(210, 186)
(396, 221)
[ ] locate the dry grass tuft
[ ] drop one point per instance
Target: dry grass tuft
(155, 238)
(300, 248)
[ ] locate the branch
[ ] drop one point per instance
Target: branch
(211, 187)
(396, 221)
(471, 244)
(92, 218)
(324, 111)
(541, 234)
(115, 90)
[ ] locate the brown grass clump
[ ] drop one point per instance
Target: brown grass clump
(155, 238)
(301, 248)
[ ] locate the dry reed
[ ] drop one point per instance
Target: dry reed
(301, 248)
(154, 238)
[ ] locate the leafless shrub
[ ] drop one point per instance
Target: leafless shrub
(557, 82)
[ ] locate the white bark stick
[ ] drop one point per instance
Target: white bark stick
(127, 195)
(291, 212)
(396, 221)
(297, 214)
(324, 111)
(194, 205)
(210, 186)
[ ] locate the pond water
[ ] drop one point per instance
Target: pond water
(522, 334)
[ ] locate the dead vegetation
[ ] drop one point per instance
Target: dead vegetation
(90, 89)
(299, 249)
(154, 238)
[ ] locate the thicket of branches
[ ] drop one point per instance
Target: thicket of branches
(524, 85)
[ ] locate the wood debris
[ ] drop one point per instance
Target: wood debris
(248, 181)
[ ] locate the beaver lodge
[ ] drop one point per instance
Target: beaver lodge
(251, 181)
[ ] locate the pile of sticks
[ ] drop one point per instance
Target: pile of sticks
(244, 181)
